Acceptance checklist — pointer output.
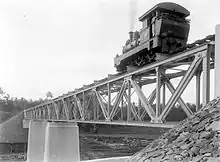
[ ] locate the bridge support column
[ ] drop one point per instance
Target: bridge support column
(62, 142)
(198, 90)
(217, 61)
(206, 78)
(158, 85)
(36, 139)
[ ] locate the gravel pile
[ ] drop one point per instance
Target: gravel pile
(195, 139)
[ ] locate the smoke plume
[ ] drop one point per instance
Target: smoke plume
(132, 14)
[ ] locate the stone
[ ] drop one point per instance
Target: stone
(194, 151)
(211, 159)
(207, 154)
(195, 139)
(185, 146)
(196, 159)
(178, 157)
(206, 134)
(215, 126)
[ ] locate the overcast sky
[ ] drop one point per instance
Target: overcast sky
(60, 45)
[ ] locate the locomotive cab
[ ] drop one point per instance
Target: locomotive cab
(164, 29)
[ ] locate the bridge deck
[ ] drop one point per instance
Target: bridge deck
(130, 123)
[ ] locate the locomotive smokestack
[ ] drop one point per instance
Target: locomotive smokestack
(131, 36)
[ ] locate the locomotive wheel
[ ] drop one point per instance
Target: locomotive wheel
(139, 60)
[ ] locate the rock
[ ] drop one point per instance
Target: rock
(215, 126)
(195, 139)
(213, 159)
(194, 151)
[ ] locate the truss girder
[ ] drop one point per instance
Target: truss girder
(181, 86)
(66, 109)
(183, 105)
(79, 105)
(102, 105)
(118, 99)
(56, 110)
(133, 110)
(150, 99)
(74, 110)
(143, 99)
(109, 98)
(111, 95)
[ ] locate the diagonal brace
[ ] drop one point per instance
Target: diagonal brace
(79, 105)
(133, 109)
(143, 99)
(181, 86)
(104, 111)
(181, 102)
(56, 109)
(118, 99)
(66, 109)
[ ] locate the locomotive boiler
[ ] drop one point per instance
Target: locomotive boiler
(164, 30)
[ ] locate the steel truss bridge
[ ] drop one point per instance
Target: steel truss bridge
(110, 100)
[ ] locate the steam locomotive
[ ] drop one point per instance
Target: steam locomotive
(164, 30)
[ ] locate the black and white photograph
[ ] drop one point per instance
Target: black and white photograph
(110, 81)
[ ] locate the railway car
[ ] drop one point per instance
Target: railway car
(164, 30)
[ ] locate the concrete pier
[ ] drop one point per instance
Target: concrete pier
(36, 140)
(61, 142)
(217, 61)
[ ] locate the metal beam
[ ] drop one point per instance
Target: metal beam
(65, 109)
(122, 105)
(158, 85)
(206, 77)
(79, 105)
(74, 110)
(175, 58)
(181, 86)
(56, 110)
(103, 87)
(180, 100)
(118, 99)
(148, 81)
(143, 99)
(152, 96)
(49, 111)
(164, 95)
(133, 108)
(198, 88)
(104, 111)
(109, 98)
(129, 101)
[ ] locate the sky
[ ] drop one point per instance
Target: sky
(57, 46)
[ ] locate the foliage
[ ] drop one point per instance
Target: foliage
(49, 95)
(10, 106)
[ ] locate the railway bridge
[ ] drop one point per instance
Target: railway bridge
(121, 99)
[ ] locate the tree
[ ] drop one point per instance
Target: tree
(49, 95)
(4, 97)
(2, 92)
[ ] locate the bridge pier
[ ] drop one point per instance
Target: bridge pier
(217, 60)
(36, 140)
(61, 142)
(53, 142)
